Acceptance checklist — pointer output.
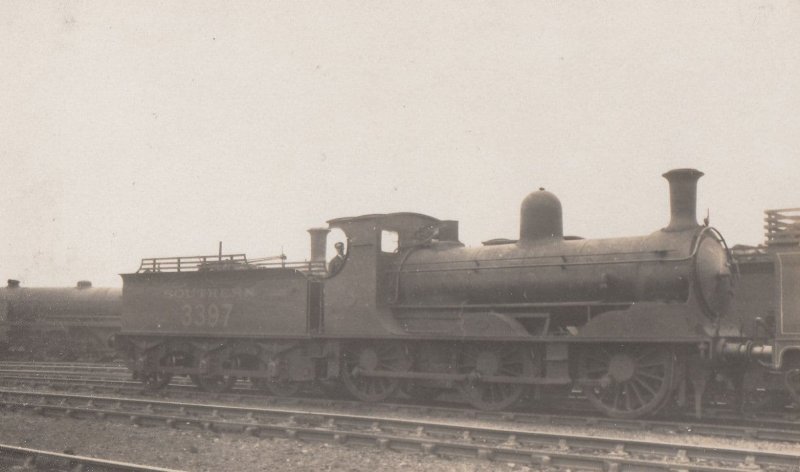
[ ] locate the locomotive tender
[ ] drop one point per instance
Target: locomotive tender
(636, 322)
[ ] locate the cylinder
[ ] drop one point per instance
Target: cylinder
(682, 198)
(319, 238)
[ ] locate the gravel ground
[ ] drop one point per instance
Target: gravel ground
(205, 451)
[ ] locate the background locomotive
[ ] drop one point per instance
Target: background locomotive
(69, 323)
(768, 308)
(636, 322)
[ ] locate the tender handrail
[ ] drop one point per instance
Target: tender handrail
(226, 262)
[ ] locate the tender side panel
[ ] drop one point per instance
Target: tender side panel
(789, 293)
(214, 303)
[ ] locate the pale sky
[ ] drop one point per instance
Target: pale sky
(137, 129)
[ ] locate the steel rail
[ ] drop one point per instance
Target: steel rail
(42, 373)
(448, 438)
(41, 367)
(11, 363)
(34, 459)
(77, 380)
(721, 425)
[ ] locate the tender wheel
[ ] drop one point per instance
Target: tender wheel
(215, 383)
(154, 381)
(502, 360)
(359, 359)
(175, 357)
(635, 380)
(279, 386)
(246, 357)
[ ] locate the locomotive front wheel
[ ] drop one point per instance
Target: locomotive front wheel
(357, 360)
(216, 383)
(501, 360)
(634, 380)
(176, 356)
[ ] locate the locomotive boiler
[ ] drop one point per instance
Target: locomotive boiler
(544, 267)
(636, 322)
(65, 323)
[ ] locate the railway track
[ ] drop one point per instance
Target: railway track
(775, 427)
(20, 458)
(50, 368)
(81, 366)
(444, 438)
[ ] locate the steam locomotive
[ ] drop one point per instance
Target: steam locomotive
(636, 322)
(67, 323)
(766, 306)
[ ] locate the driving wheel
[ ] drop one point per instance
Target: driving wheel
(479, 362)
(362, 359)
(633, 381)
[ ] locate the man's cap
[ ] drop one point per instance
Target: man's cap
(338, 245)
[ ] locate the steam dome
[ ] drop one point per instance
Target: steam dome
(540, 217)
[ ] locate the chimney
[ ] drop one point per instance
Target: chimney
(82, 284)
(319, 237)
(682, 198)
(13, 283)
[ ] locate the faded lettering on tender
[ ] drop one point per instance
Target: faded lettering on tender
(215, 293)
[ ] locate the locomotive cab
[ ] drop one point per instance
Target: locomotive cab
(357, 298)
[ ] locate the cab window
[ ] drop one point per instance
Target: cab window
(390, 241)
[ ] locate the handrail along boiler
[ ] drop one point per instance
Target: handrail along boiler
(637, 322)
